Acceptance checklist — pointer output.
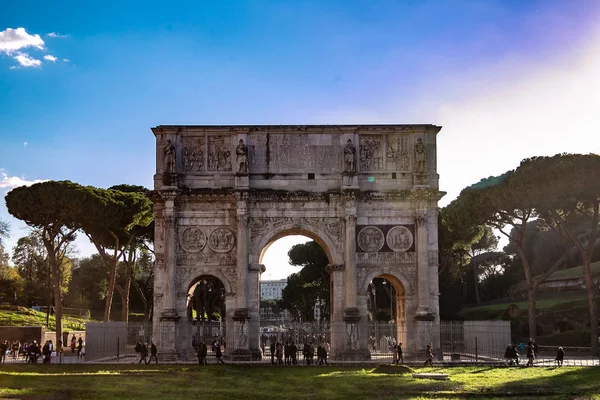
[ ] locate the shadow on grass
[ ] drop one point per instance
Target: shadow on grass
(570, 381)
(285, 383)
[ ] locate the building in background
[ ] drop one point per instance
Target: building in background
(271, 290)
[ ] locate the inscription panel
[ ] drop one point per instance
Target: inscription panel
(386, 258)
(295, 152)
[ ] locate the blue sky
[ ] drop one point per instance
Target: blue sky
(506, 79)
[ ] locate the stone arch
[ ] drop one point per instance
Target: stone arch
(195, 278)
(334, 252)
(391, 275)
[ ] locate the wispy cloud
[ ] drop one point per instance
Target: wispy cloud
(25, 144)
(12, 40)
(66, 60)
(56, 35)
(26, 61)
(11, 182)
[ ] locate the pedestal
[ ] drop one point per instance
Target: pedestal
(349, 180)
(168, 333)
(242, 181)
(170, 179)
(241, 338)
(354, 349)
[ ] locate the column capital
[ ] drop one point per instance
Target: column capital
(242, 219)
(421, 219)
(335, 267)
(257, 267)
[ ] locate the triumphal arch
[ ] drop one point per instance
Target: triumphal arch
(367, 194)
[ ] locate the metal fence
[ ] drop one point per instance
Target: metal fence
(452, 341)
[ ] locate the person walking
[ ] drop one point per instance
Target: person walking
(34, 352)
(400, 353)
(144, 353)
(560, 356)
(153, 352)
(219, 354)
(429, 355)
(530, 354)
(138, 352)
(272, 350)
(395, 354)
(73, 344)
(3, 350)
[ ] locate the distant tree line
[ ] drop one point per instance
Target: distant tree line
(118, 221)
(548, 210)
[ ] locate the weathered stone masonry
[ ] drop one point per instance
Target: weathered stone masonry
(367, 193)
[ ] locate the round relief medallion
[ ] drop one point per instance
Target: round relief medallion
(221, 240)
(192, 239)
(399, 238)
(370, 239)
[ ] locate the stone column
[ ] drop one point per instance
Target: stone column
(242, 252)
(350, 260)
(241, 315)
(336, 279)
(423, 310)
(254, 272)
(433, 262)
(168, 315)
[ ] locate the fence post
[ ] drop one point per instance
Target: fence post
(118, 348)
(476, 357)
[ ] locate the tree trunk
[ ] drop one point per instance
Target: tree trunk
(110, 291)
(531, 314)
(58, 315)
(143, 297)
(125, 298)
(531, 291)
(476, 281)
(56, 277)
(593, 307)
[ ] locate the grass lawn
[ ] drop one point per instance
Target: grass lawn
(495, 310)
(264, 383)
(575, 272)
(22, 316)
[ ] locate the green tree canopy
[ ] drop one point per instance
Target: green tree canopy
(567, 201)
(53, 208)
(308, 286)
(111, 223)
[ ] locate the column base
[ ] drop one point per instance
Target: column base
(355, 355)
(245, 355)
(351, 314)
(424, 315)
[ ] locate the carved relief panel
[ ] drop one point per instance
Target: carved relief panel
(193, 154)
(398, 153)
(206, 245)
(385, 244)
(371, 153)
(219, 153)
